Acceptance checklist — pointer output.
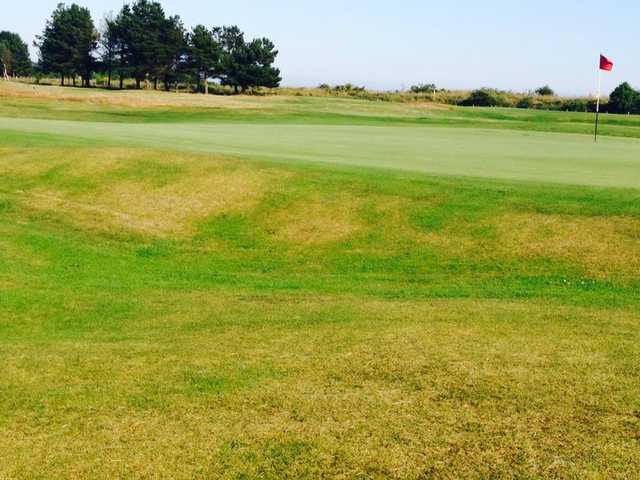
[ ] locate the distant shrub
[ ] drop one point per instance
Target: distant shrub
(488, 97)
(479, 98)
(574, 105)
(424, 88)
(348, 87)
(526, 102)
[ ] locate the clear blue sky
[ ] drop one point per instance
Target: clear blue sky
(513, 45)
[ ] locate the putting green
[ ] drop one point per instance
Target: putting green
(540, 157)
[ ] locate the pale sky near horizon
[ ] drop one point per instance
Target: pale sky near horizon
(459, 44)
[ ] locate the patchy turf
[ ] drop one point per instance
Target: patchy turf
(171, 311)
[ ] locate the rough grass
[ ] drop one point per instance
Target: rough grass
(171, 314)
(222, 386)
(149, 107)
(603, 246)
(315, 221)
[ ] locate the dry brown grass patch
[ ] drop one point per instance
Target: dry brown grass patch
(125, 98)
(160, 210)
(605, 246)
(77, 163)
(137, 191)
(317, 221)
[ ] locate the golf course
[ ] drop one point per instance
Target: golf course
(293, 286)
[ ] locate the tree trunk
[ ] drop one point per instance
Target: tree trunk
(235, 89)
(74, 79)
(138, 81)
(206, 86)
(62, 79)
(121, 81)
(109, 79)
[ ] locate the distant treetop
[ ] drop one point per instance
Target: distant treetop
(424, 88)
(545, 91)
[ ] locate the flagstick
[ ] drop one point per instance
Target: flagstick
(595, 138)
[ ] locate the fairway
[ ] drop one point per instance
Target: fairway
(319, 288)
(515, 155)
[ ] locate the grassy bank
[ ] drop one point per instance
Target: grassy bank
(213, 298)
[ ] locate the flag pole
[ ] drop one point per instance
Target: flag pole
(595, 138)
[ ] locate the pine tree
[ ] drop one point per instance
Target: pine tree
(68, 42)
(204, 54)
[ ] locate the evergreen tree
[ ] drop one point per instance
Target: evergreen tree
(68, 42)
(172, 61)
(245, 65)
(16, 54)
(204, 54)
(624, 99)
(152, 44)
(109, 46)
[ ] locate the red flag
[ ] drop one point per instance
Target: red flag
(605, 64)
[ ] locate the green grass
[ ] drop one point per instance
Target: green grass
(279, 300)
(541, 157)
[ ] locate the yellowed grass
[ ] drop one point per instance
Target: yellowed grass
(402, 388)
(78, 163)
(167, 210)
(125, 98)
(603, 245)
(6, 284)
(176, 207)
(283, 99)
(199, 186)
(317, 221)
(27, 256)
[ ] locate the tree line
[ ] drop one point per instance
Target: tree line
(145, 45)
(142, 43)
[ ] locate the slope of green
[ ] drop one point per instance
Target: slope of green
(543, 157)
(245, 300)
